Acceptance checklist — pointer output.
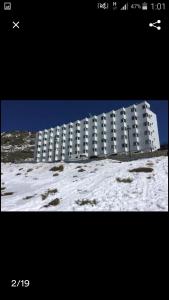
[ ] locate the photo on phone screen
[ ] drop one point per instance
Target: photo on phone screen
(84, 132)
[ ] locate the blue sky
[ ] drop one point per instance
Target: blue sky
(34, 115)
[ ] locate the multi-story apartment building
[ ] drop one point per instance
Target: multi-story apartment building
(125, 130)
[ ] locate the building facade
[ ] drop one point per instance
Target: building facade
(125, 130)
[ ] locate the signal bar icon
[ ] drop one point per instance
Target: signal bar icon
(125, 7)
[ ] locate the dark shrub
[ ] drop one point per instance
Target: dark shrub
(7, 194)
(125, 180)
(53, 203)
(81, 170)
(86, 202)
(142, 170)
(59, 168)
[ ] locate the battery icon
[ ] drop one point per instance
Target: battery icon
(144, 6)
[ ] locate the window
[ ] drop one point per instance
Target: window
(134, 118)
(124, 136)
(70, 126)
(113, 123)
(112, 115)
(147, 124)
(133, 109)
(147, 142)
(124, 128)
(77, 124)
(85, 143)
(94, 120)
(145, 115)
(85, 136)
(103, 125)
(86, 122)
(103, 140)
(95, 127)
(144, 106)
(70, 140)
(124, 145)
(77, 138)
(135, 126)
(147, 132)
(113, 130)
(44, 151)
(135, 135)
(77, 131)
(103, 148)
(123, 120)
(94, 149)
(123, 112)
(94, 134)
(113, 146)
(113, 139)
(94, 142)
(103, 118)
(136, 144)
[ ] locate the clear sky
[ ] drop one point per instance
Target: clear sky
(34, 115)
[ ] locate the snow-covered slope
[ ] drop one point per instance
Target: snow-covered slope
(105, 185)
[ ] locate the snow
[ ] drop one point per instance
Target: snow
(98, 181)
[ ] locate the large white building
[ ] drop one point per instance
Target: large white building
(127, 129)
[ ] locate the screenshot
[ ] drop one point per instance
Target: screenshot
(84, 138)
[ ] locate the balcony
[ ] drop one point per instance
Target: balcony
(94, 138)
(94, 130)
(86, 126)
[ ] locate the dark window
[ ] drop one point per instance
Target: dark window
(103, 118)
(103, 140)
(94, 149)
(133, 109)
(103, 148)
(124, 136)
(103, 125)
(113, 139)
(94, 142)
(135, 126)
(95, 127)
(113, 123)
(123, 112)
(85, 122)
(136, 144)
(94, 134)
(144, 106)
(134, 118)
(112, 115)
(123, 120)
(135, 134)
(113, 130)
(124, 145)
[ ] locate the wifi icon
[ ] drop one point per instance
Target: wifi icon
(125, 7)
